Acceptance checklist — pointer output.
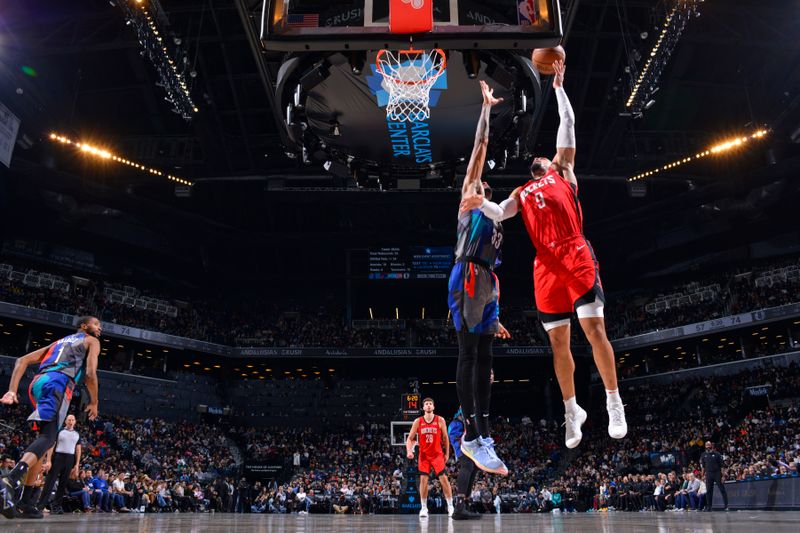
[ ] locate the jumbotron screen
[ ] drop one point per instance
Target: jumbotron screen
(399, 263)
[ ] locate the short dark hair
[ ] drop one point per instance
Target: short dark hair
(85, 320)
(428, 399)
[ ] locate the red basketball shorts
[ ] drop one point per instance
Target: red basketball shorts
(566, 276)
(435, 463)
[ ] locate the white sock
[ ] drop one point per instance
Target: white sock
(449, 502)
(612, 397)
(571, 405)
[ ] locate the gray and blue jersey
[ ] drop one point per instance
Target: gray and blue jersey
(474, 290)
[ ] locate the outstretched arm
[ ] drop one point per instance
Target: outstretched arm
(565, 138)
(472, 181)
(19, 370)
(497, 212)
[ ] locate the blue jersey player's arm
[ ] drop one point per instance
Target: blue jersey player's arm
(20, 366)
(93, 345)
(472, 181)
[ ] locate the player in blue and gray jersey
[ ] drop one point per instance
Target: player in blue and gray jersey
(473, 299)
(62, 366)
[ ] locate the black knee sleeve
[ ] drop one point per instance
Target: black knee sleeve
(465, 380)
(483, 383)
(466, 476)
(48, 435)
(465, 371)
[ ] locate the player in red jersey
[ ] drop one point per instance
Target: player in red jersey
(432, 435)
(566, 274)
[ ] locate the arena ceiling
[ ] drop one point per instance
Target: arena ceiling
(735, 69)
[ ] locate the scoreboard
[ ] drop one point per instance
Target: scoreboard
(413, 262)
(410, 406)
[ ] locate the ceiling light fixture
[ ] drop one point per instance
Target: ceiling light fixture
(102, 153)
(150, 23)
(717, 149)
(645, 84)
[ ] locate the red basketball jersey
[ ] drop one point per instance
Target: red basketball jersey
(551, 210)
(430, 437)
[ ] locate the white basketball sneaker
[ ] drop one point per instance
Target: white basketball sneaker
(450, 509)
(573, 420)
(423, 512)
(617, 426)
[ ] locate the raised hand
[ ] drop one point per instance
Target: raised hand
(560, 69)
(488, 95)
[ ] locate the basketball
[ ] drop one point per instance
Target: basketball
(543, 58)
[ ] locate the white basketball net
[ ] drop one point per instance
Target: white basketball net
(408, 77)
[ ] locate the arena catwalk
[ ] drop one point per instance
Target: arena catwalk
(732, 522)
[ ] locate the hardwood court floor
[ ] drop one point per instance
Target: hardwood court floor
(741, 521)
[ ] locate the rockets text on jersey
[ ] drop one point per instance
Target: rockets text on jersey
(551, 210)
(430, 437)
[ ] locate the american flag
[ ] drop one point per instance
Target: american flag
(303, 21)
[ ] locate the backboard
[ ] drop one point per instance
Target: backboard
(399, 430)
(331, 25)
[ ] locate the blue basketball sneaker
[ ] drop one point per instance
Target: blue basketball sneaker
(501, 466)
(484, 456)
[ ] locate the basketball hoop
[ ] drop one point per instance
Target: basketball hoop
(409, 76)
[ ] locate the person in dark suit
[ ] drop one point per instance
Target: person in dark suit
(711, 462)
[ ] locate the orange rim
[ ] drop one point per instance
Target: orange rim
(410, 51)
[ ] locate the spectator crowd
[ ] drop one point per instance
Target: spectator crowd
(150, 465)
(247, 322)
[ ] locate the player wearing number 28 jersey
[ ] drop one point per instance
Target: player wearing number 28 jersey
(432, 433)
(566, 274)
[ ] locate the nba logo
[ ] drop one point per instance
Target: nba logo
(526, 12)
